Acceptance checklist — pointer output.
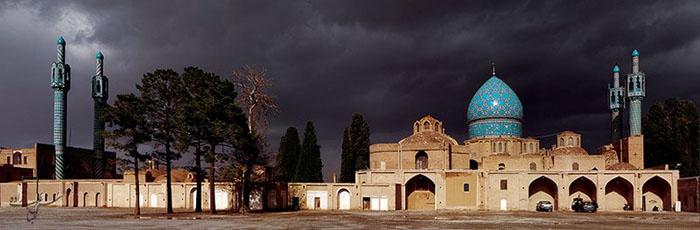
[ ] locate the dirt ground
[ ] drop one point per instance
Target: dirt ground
(108, 218)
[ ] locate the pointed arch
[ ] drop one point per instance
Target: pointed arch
(618, 193)
(656, 194)
(542, 189)
(584, 188)
(420, 193)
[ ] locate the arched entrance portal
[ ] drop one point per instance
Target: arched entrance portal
(618, 193)
(420, 193)
(656, 195)
(344, 199)
(542, 189)
(583, 188)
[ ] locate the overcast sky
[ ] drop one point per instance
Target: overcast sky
(393, 61)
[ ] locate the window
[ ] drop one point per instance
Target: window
(504, 184)
(533, 166)
(532, 148)
(421, 160)
(574, 166)
(501, 166)
(561, 141)
(426, 126)
(493, 147)
(8, 160)
(466, 187)
(473, 164)
(25, 160)
(571, 141)
(17, 158)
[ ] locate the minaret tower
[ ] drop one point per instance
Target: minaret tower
(636, 88)
(616, 105)
(60, 83)
(100, 86)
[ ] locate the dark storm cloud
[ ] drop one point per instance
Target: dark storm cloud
(393, 61)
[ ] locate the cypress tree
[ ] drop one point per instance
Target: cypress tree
(309, 164)
(359, 137)
(288, 155)
(347, 164)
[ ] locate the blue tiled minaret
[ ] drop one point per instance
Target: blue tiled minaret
(100, 86)
(616, 104)
(60, 83)
(636, 87)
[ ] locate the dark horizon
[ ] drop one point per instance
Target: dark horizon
(393, 61)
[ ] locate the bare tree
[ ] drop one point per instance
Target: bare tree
(253, 84)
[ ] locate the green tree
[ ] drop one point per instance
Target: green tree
(127, 131)
(208, 113)
(672, 135)
(161, 92)
(347, 160)
(359, 137)
(309, 166)
(288, 155)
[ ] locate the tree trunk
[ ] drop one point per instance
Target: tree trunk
(250, 118)
(168, 180)
(137, 206)
(212, 172)
(245, 207)
(198, 162)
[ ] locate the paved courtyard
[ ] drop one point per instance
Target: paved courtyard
(92, 218)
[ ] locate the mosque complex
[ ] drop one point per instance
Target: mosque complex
(499, 169)
(496, 168)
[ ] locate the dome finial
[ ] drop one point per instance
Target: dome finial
(99, 55)
(635, 53)
(493, 69)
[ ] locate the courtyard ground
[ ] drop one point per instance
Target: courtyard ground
(110, 218)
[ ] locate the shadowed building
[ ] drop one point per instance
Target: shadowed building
(40, 159)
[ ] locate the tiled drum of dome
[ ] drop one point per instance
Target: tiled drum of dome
(495, 110)
(495, 127)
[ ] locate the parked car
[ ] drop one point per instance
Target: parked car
(544, 206)
(584, 206)
(589, 207)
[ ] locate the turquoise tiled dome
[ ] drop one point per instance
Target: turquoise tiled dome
(495, 110)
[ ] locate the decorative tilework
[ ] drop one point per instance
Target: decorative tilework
(495, 99)
(495, 127)
(495, 110)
